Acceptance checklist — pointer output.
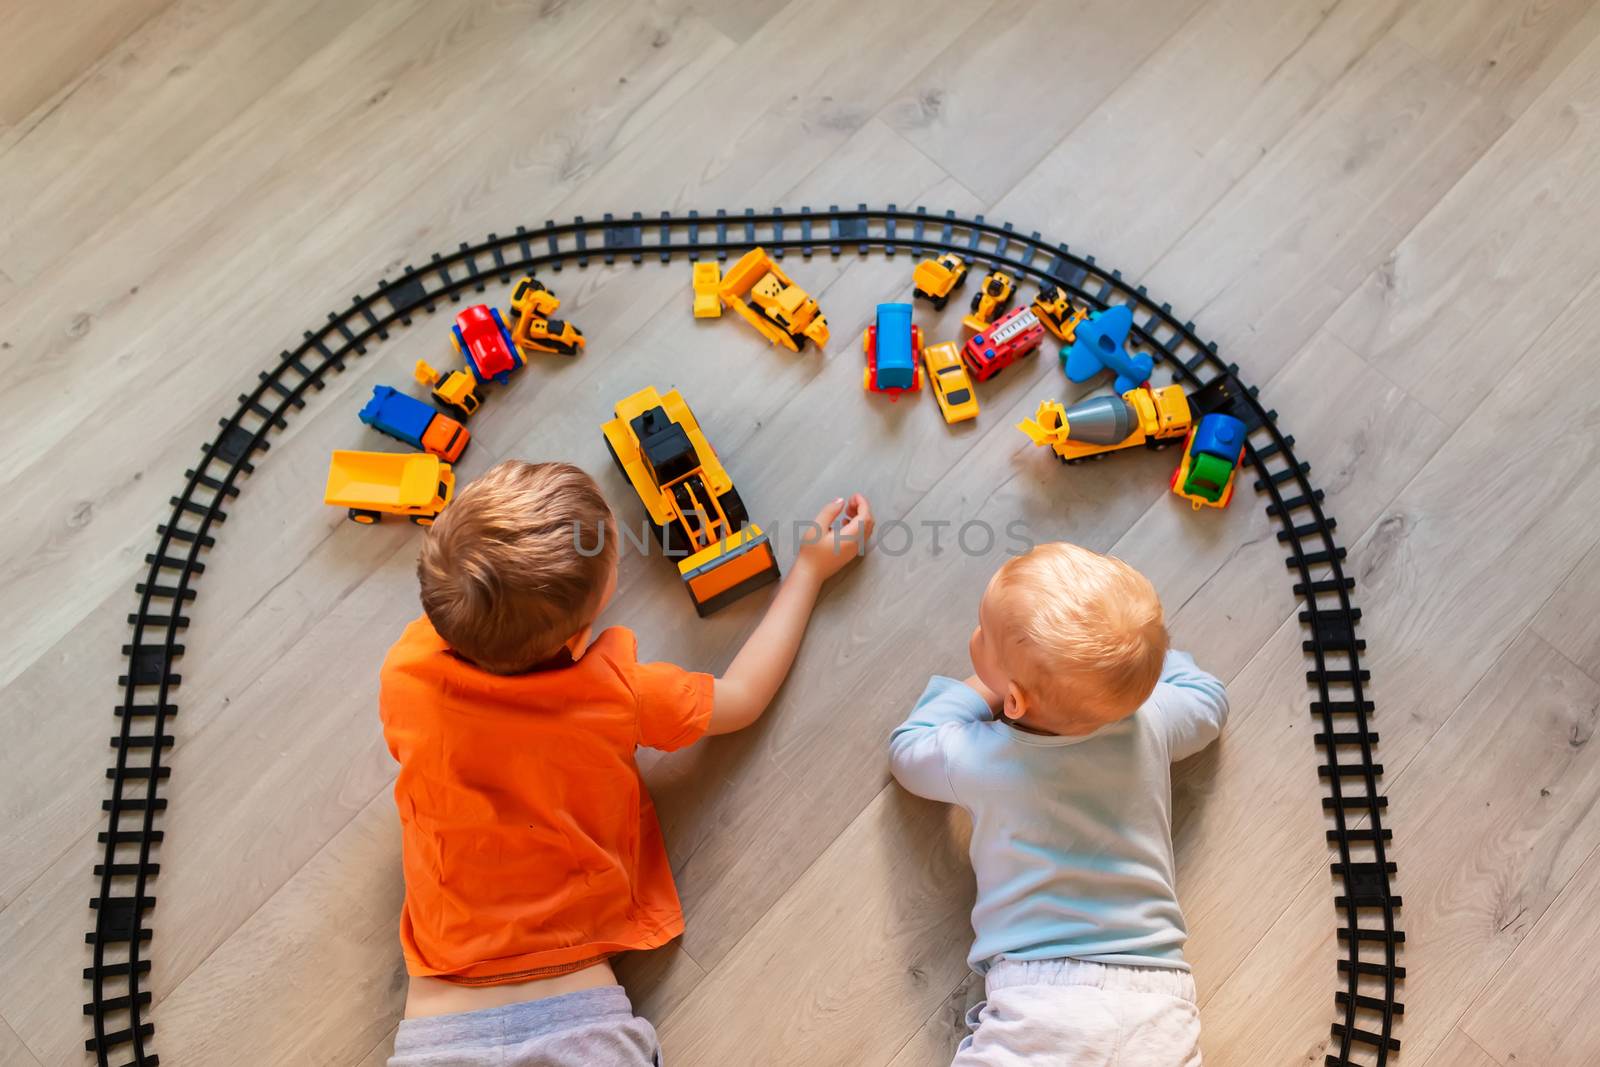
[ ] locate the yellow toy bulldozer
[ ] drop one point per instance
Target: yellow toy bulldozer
(768, 299)
(696, 512)
(533, 329)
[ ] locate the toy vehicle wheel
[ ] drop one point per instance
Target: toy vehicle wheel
(733, 507)
(800, 342)
(939, 302)
(616, 458)
(961, 279)
(363, 516)
(421, 520)
(977, 298)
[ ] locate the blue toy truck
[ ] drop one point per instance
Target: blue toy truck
(405, 418)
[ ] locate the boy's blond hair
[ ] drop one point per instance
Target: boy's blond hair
(503, 579)
(1079, 629)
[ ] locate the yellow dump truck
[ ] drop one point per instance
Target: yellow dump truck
(768, 299)
(374, 484)
(696, 512)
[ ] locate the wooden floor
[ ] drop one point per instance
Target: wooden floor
(1384, 210)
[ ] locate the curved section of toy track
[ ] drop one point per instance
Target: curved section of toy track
(1368, 970)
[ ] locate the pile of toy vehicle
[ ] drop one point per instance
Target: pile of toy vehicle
(696, 513)
(417, 485)
(1092, 343)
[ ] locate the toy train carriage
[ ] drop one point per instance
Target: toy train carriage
(893, 345)
(533, 328)
(765, 297)
(996, 348)
(1211, 458)
(407, 419)
(1144, 416)
(370, 485)
(934, 280)
(481, 337)
(695, 509)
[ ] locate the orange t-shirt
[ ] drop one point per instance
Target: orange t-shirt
(530, 845)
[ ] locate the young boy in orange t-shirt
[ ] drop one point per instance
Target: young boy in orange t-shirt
(530, 846)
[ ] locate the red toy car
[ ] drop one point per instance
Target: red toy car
(1002, 344)
(484, 342)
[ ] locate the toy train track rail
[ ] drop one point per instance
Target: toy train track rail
(1368, 972)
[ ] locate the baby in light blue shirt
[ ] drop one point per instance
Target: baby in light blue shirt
(1060, 747)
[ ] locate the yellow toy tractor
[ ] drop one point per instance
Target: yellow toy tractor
(694, 508)
(768, 299)
(456, 392)
(992, 298)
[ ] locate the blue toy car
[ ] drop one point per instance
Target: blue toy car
(405, 418)
(894, 352)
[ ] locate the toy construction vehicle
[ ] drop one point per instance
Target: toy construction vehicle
(707, 280)
(532, 327)
(1211, 458)
(1057, 313)
(693, 506)
(373, 484)
(758, 289)
(1094, 427)
(456, 392)
(934, 280)
(992, 298)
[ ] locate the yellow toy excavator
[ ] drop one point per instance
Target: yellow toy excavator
(768, 299)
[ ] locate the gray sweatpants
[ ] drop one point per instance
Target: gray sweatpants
(589, 1028)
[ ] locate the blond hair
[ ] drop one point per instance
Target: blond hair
(517, 563)
(1077, 627)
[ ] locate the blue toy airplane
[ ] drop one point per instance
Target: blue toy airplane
(1100, 345)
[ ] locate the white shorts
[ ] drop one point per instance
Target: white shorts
(1072, 1013)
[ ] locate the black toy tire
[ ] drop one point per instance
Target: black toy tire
(612, 452)
(364, 516)
(733, 507)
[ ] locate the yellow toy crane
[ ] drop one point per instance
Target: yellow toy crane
(768, 299)
(1143, 416)
(695, 510)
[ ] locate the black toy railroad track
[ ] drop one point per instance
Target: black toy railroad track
(1368, 970)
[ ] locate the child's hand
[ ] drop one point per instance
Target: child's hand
(824, 551)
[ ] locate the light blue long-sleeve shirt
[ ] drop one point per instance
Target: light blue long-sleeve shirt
(1071, 836)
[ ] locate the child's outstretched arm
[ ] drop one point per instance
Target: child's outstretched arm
(752, 679)
(1192, 704)
(916, 748)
